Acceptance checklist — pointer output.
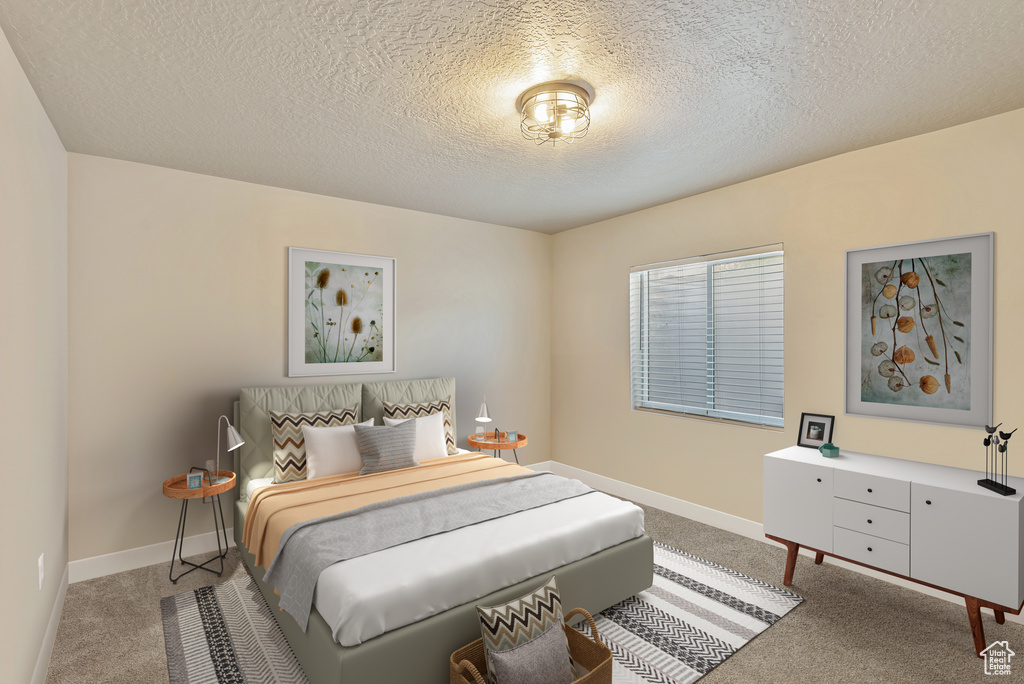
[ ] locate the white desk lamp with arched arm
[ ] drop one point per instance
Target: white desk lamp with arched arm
(234, 441)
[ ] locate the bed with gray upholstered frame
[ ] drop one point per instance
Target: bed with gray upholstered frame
(417, 653)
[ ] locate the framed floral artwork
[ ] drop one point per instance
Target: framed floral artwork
(919, 331)
(341, 313)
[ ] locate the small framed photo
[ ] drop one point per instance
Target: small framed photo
(512, 436)
(815, 430)
(195, 480)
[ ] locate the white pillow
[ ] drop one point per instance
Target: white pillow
(332, 450)
(430, 438)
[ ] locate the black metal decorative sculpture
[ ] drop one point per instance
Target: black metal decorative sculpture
(996, 443)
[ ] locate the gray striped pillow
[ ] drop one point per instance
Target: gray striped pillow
(386, 448)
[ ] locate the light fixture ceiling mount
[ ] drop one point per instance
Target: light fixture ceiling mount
(557, 111)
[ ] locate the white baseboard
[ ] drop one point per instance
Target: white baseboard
(111, 563)
(43, 661)
(140, 557)
(702, 514)
(725, 521)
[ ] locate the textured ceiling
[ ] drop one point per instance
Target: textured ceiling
(412, 104)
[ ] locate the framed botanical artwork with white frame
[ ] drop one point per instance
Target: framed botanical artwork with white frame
(341, 313)
(919, 331)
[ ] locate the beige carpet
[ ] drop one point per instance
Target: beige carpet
(850, 628)
(111, 629)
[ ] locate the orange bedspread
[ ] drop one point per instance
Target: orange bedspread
(272, 510)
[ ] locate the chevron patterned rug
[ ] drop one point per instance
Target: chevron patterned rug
(225, 634)
(696, 615)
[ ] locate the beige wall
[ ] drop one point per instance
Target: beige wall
(957, 181)
(177, 299)
(33, 366)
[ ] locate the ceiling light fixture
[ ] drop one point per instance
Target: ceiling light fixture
(555, 112)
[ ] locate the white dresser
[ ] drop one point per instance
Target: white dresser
(928, 523)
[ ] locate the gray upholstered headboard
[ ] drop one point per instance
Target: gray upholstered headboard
(255, 458)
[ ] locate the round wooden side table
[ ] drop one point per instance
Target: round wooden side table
(177, 488)
(487, 440)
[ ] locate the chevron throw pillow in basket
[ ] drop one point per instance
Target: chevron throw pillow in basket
(590, 659)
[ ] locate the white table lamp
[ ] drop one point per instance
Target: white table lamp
(483, 416)
(234, 441)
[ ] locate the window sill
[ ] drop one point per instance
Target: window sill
(709, 419)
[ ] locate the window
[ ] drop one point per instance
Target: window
(706, 336)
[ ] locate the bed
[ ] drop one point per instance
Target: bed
(607, 564)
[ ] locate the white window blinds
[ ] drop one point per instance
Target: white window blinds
(706, 336)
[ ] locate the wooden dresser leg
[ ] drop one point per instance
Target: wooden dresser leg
(1000, 616)
(790, 562)
(977, 629)
(818, 557)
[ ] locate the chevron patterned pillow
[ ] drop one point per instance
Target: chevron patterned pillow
(524, 640)
(289, 445)
(419, 410)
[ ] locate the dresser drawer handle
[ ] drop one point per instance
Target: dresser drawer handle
(869, 521)
(819, 480)
(869, 490)
(929, 502)
(869, 548)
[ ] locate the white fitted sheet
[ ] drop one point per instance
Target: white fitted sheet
(255, 484)
(367, 596)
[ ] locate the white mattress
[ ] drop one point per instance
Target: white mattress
(364, 597)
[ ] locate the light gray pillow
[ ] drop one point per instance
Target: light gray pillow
(386, 448)
(541, 660)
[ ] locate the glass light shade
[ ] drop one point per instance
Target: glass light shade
(554, 112)
(483, 416)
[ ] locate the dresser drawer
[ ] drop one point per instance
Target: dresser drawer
(872, 489)
(874, 551)
(873, 520)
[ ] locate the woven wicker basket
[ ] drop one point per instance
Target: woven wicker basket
(467, 665)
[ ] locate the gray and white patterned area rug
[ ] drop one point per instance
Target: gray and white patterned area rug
(225, 634)
(695, 616)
